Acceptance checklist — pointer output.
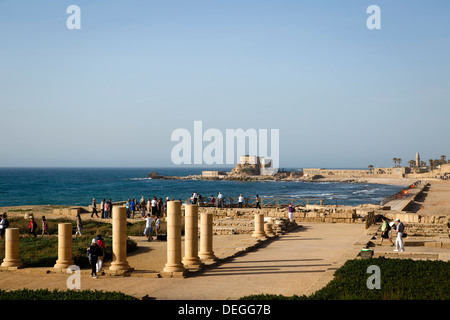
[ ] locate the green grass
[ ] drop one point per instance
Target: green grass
(401, 279)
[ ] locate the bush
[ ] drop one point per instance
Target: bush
(401, 279)
(45, 294)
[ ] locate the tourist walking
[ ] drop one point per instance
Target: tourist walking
(79, 225)
(106, 210)
(385, 231)
(44, 226)
(32, 227)
(159, 206)
(110, 208)
(400, 228)
(291, 210)
(132, 208)
(127, 206)
(143, 206)
(148, 227)
(157, 226)
(219, 200)
(102, 208)
(94, 251)
(94, 208)
(213, 200)
(102, 244)
(258, 202)
(4, 223)
(154, 206)
(240, 201)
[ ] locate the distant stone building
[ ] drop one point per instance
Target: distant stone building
(349, 173)
(213, 174)
(254, 165)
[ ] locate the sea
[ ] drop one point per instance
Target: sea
(78, 186)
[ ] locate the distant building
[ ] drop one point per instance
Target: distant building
(254, 165)
(348, 173)
(213, 174)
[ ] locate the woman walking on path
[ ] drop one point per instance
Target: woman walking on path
(44, 226)
(32, 227)
(106, 210)
(79, 225)
(385, 229)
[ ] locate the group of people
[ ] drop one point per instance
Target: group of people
(152, 222)
(153, 205)
(386, 230)
(221, 201)
(105, 209)
(32, 226)
(96, 254)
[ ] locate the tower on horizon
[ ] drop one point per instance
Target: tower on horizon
(417, 160)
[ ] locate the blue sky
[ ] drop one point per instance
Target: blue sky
(111, 93)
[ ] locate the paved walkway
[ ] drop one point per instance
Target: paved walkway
(291, 264)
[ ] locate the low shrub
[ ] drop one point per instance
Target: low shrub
(401, 279)
(45, 294)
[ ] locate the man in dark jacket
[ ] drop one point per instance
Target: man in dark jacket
(94, 252)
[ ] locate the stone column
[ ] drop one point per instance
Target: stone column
(259, 226)
(12, 257)
(268, 230)
(206, 237)
(173, 264)
(65, 258)
(119, 242)
(191, 258)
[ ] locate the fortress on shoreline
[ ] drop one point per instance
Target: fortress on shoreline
(254, 167)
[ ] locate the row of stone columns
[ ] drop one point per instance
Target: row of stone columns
(65, 259)
(194, 253)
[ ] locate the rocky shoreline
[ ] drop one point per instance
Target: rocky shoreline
(286, 177)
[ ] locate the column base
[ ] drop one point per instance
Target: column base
(120, 266)
(259, 235)
(63, 264)
(207, 256)
(12, 263)
(192, 263)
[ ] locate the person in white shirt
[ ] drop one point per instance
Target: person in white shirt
(219, 200)
(399, 240)
(241, 200)
(148, 227)
(154, 206)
